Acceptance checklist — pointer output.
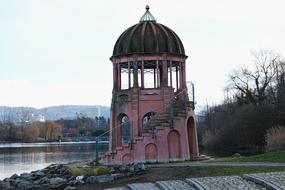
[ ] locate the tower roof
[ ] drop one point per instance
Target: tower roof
(148, 37)
(147, 16)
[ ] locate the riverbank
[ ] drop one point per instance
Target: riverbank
(83, 175)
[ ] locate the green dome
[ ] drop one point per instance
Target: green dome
(148, 37)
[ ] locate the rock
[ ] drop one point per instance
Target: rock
(100, 179)
(6, 179)
(237, 155)
(6, 186)
(112, 170)
(14, 176)
(79, 177)
(118, 175)
(44, 180)
(26, 176)
(70, 188)
(91, 179)
(57, 181)
(15, 182)
(105, 178)
(37, 182)
(23, 183)
(141, 166)
(123, 168)
(39, 174)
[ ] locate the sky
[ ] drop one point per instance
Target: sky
(56, 52)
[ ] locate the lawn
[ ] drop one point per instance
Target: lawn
(278, 156)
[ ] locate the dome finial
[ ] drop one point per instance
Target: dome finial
(147, 7)
(147, 17)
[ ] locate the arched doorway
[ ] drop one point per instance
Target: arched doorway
(125, 129)
(191, 136)
(174, 145)
(151, 152)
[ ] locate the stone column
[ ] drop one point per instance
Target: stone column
(184, 74)
(177, 83)
(158, 73)
(170, 73)
(119, 76)
(142, 74)
(129, 74)
(114, 76)
(135, 74)
(164, 73)
(154, 78)
(180, 75)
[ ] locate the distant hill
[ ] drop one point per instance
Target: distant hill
(52, 113)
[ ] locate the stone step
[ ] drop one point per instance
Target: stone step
(146, 134)
(201, 157)
(174, 184)
(119, 148)
(118, 188)
(222, 182)
(272, 180)
(138, 138)
(143, 186)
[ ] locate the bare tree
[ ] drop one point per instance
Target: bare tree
(254, 85)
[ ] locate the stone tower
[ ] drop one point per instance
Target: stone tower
(152, 117)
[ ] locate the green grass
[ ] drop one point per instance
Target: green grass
(235, 170)
(266, 157)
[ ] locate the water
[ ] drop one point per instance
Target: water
(26, 157)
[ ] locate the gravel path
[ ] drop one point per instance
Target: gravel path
(207, 163)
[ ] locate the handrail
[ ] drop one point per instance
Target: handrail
(151, 119)
(157, 115)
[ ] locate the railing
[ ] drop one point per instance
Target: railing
(169, 105)
(158, 111)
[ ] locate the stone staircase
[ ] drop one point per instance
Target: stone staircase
(158, 123)
(165, 119)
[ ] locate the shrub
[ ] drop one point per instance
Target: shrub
(275, 138)
(74, 170)
(101, 170)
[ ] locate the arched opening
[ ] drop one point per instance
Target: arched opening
(192, 136)
(127, 158)
(125, 129)
(174, 145)
(151, 152)
(147, 118)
